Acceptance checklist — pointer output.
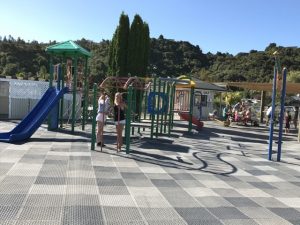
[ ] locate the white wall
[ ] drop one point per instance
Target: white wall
(22, 96)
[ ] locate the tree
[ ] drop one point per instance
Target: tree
(119, 47)
(111, 58)
(130, 48)
(43, 72)
(10, 69)
(293, 76)
(146, 48)
(122, 46)
(138, 47)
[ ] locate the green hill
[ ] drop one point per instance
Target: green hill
(167, 58)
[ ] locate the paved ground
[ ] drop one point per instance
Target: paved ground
(219, 176)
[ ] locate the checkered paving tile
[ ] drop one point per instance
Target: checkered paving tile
(212, 177)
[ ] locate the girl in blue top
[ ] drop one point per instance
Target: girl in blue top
(103, 107)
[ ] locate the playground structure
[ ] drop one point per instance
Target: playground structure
(188, 103)
(52, 101)
(150, 104)
(70, 73)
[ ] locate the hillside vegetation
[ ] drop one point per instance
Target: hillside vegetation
(167, 58)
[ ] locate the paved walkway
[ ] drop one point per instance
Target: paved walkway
(219, 176)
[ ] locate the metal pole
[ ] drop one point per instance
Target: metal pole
(62, 86)
(140, 98)
(262, 105)
(191, 108)
(162, 114)
(166, 113)
(85, 91)
(298, 120)
(133, 105)
(170, 110)
(283, 92)
(153, 106)
(272, 114)
(157, 107)
(51, 71)
(128, 119)
(146, 104)
(74, 94)
(172, 106)
(59, 78)
(94, 117)
(220, 106)
(50, 85)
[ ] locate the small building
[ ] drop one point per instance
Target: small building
(203, 97)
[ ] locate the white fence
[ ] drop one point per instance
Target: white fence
(18, 97)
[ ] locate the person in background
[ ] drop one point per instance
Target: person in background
(101, 118)
(107, 104)
(247, 116)
(288, 118)
(268, 114)
(226, 112)
(119, 118)
(295, 120)
(213, 115)
(237, 106)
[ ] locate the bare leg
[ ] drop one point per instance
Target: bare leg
(99, 132)
(121, 137)
(118, 137)
(119, 129)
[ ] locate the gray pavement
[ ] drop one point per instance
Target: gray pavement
(220, 175)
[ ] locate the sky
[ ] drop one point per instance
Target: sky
(231, 26)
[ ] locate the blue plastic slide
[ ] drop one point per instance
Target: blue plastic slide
(25, 129)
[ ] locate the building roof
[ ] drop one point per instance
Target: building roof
(199, 84)
(208, 86)
(68, 48)
(291, 88)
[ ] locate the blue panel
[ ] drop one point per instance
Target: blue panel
(151, 103)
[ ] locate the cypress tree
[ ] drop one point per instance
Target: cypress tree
(146, 48)
(118, 48)
(122, 46)
(129, 48)
(135, 45)
(111, 57)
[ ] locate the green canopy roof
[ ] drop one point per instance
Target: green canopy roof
(68, 48)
